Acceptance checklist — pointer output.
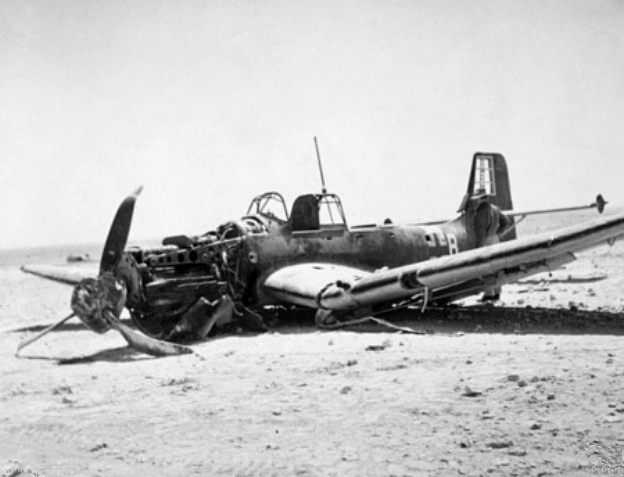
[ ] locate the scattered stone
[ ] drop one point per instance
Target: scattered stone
(346, 390)
(468, 392)
(513, 377)
(62, 390)
(499, 444)
(277, 413)
(352, 362)
(522, 383)
(98, 447)
(550, 397)
(66, 400)
(536, 426)
(380, 347)
(176, 382)
(468, 361)
(517, 452)
(392, 368)
(330, 342)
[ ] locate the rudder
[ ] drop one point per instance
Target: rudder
(489, 175)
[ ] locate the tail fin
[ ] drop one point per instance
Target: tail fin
(489, 175)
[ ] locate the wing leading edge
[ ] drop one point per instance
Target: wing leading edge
(337, 287)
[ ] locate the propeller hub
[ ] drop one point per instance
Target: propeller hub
(92, 296)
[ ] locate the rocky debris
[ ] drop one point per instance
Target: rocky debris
(517, 452)
(181, 385)
(99, 447)
(334, 366)
(499, 444)
(177, 381)
(469, 392)
(65, 389)
(381, 347)
(394, 367)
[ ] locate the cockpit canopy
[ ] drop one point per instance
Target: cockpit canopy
(317, 212)
(270, 205)
(309, 212)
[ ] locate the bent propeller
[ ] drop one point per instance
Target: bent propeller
(98, 302)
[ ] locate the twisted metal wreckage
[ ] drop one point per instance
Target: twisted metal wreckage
(194, 287)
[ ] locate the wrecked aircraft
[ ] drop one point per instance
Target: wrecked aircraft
(194, 287)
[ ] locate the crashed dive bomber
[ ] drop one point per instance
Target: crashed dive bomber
(231, 277)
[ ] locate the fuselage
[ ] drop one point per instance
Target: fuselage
(239, 256)
(367, 248)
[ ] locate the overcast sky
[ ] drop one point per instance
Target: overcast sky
(209, 103)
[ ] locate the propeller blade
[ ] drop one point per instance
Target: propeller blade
(144, 343)
(32, 339)
(118, 233)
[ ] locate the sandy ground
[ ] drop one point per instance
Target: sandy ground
(515, 397)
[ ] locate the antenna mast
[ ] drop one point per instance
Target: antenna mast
(318, 157)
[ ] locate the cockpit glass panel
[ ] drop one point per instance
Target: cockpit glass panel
(330, 212)
(269, 205)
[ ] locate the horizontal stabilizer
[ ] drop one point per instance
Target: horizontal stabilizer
(599, 205)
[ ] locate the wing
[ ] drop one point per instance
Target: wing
(454, 276)
(301, 284)
(70, 275)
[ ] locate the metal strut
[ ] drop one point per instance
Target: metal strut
(425, 300)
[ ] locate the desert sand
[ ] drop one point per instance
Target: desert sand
(484, 393)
